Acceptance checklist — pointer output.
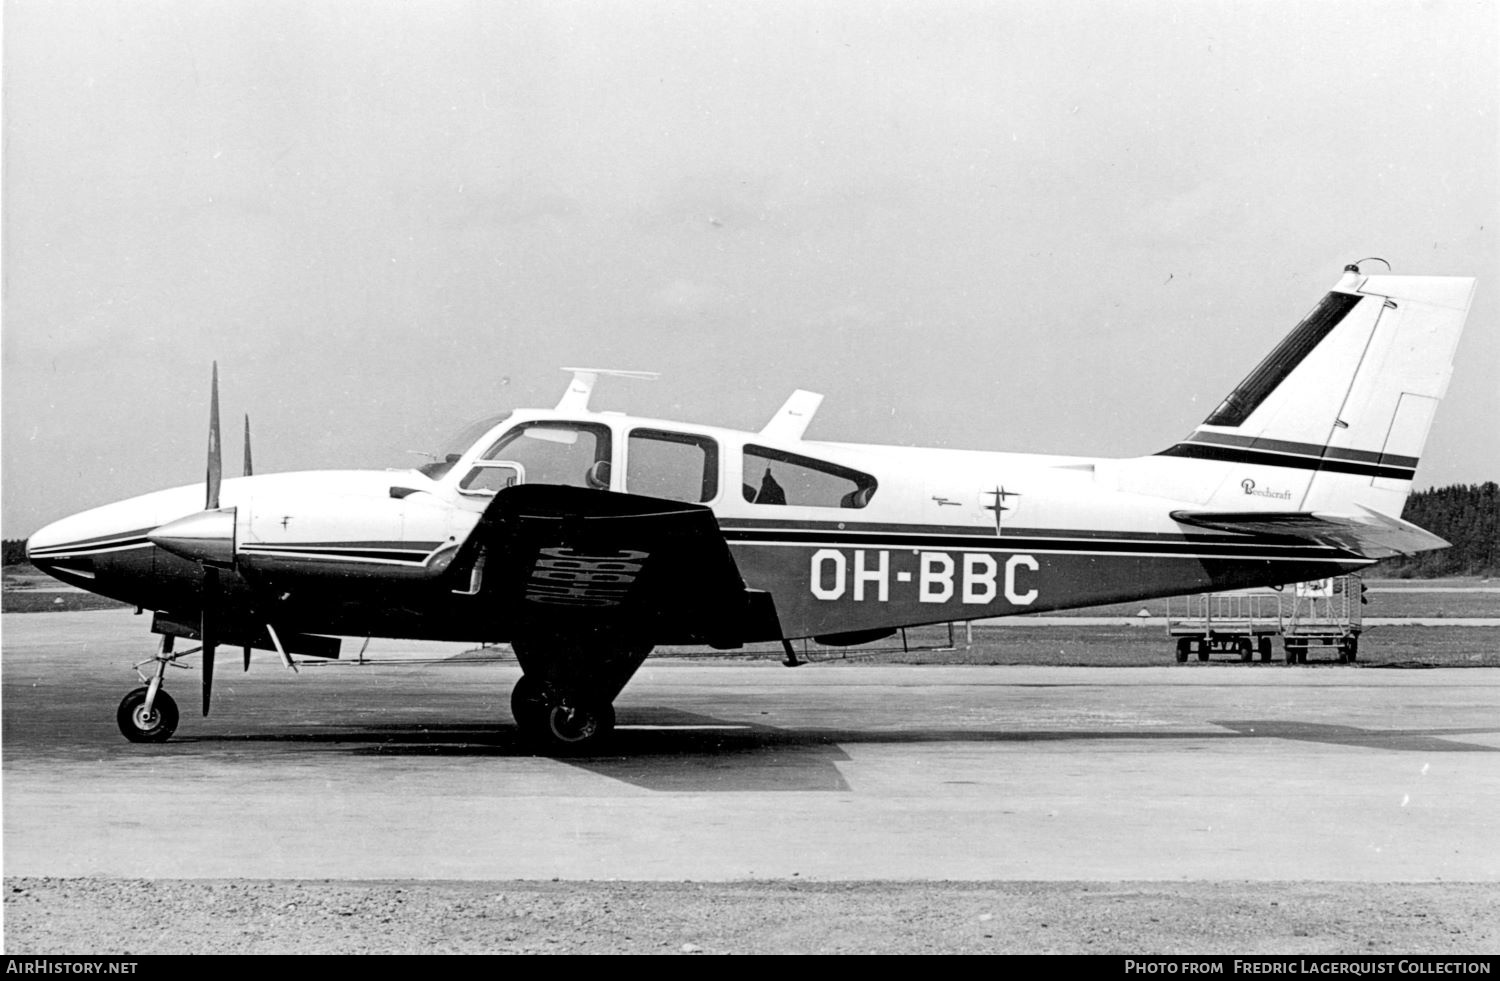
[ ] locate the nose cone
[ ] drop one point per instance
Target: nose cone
(82, 535)
(75, 546)
(71, 549)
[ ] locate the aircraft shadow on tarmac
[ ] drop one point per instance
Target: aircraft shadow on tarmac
(672, 750)
(1409, 740)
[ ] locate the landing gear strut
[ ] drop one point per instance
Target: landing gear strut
(148, 714)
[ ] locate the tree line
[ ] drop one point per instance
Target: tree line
(1468, 515)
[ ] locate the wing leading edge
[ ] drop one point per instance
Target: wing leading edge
(1371, 535)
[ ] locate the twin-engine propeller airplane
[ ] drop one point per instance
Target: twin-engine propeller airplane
(586, 538)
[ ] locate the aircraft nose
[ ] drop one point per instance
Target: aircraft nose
(55, 538)
(47, 537)
(55, 549)
(73, 542)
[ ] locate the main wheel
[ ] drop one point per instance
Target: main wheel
(140, 726)
(577, 728)
(559, 726)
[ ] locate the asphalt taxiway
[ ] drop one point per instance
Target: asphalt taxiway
(410, 768)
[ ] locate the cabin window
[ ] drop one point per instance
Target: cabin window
(774, 477)
(673, 466)
(573, 454)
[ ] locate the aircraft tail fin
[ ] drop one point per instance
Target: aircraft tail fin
(1334, 419)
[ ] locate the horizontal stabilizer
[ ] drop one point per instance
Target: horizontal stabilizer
(1372, 535)
(792, 419)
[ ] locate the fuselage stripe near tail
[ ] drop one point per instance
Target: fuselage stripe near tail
(1310, 457)
(1302, 449)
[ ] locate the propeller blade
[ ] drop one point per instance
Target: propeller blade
(247, 659)
(248, 469)
(210, 636)
(215, 464)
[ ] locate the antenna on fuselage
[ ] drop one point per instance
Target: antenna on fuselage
(576, 398)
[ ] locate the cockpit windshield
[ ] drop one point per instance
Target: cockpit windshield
(458, 444)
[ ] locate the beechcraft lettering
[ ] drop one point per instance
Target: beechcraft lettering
(974, 578)
(586, 538)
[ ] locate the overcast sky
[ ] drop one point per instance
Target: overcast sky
(1034, 226)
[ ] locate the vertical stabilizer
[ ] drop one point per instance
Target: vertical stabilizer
(1334, 419)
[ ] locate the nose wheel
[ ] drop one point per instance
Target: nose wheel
(142, 723)
(148, 714)
(559, 725)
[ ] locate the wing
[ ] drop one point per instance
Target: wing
(570, 561)
(1371, 535)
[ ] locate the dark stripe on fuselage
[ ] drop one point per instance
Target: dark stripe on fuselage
(976, 534)
(1216, 547)
(414, 553)
(1303, 449)
(1232, 454)
(80, 548)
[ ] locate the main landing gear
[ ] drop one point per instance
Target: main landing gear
(564, 701)
(560, 724)
(148, 714)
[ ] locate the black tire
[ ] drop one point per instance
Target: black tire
(1247, 650)
(1184, 647)
(555, 728)
(1265, 649)
(1353, 643)
(528, 703)
(137, 726)
(1204, 646)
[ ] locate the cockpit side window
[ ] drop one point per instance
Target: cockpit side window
(574, 454)
(672, 466)
(457, 445)
(774, 477)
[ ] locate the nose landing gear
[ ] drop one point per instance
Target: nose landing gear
(148, 714)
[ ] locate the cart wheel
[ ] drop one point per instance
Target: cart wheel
(1247, 651)
(1204, 646)
(1265, 648)
(1184, 644)
(1353, 643)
